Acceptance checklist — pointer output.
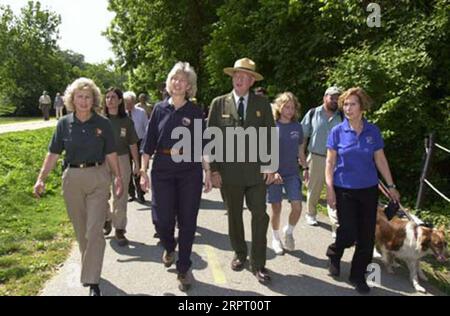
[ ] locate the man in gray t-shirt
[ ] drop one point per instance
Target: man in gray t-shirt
(317, 123)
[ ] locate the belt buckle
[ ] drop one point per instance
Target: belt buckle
(82, 166)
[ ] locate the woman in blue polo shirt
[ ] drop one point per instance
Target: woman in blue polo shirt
(355, 153)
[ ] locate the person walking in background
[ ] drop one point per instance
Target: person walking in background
(143, 104)
(58, 105)
(317, 123)
(140, 120)
(290, 135)
(126, 145)
(87, 140)
(45, 103)
(354, 155)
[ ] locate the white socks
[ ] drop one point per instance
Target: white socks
(288, 229)
(276, 234)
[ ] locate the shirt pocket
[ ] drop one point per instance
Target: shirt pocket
(227, 120)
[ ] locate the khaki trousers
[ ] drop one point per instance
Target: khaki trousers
(316, 182)
(85, 193)
(117, 207)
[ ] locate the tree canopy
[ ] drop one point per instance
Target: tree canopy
(303, 47)
(31, 60)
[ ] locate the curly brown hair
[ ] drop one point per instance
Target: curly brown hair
(365, 101)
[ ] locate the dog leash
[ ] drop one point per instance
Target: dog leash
(387, 194)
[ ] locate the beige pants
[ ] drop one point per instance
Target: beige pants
(316, 166)
(117, 207)
(85, 193)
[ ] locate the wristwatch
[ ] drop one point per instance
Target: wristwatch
(391, 186)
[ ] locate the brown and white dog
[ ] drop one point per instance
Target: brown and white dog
(405, 240)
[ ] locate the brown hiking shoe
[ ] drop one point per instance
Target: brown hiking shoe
(184, 281)
(168, 258)
(120, 237)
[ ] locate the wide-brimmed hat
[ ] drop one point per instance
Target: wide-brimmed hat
(246, 65)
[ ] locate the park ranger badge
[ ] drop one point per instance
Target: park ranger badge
(186, 121)
(123, 132)
(258, 114)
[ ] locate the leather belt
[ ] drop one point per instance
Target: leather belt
(169, 151)
(85, 165)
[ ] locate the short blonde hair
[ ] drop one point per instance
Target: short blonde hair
(188, 71)
(365, 101)
(281, 100)
(81, 84)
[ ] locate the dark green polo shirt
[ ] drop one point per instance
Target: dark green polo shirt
(124, 133)
(84, 142)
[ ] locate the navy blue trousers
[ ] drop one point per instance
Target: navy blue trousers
(176, 199)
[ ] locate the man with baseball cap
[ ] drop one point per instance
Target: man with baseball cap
(317, 123)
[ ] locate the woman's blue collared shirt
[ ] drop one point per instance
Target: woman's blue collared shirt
(355, 164)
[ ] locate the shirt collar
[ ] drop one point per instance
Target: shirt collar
(348, 128)
(236, 98)
(168, 104)
(73, 119)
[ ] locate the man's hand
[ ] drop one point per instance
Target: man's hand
(268, 178)
(216, 180)
(208, 182)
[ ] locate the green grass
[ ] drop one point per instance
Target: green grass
(10, 120)
(35, 235)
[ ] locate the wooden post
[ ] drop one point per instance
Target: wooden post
(429, 145)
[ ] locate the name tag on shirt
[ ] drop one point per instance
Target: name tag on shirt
(258, 114)
(225, 115)
(123, 132)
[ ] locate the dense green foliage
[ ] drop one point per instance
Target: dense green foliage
(32, 62)
(304, 46)
(35, 235)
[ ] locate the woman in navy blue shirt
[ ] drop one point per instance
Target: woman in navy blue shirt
(355, 153)
(176, 183)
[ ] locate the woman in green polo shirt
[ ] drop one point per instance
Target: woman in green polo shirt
(87, 140)
(126, 142)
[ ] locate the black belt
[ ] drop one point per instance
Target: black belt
(318, 154)
(85, 165)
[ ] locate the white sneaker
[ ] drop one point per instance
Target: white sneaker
(277, 247)
(289, 242)
(311, 220)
